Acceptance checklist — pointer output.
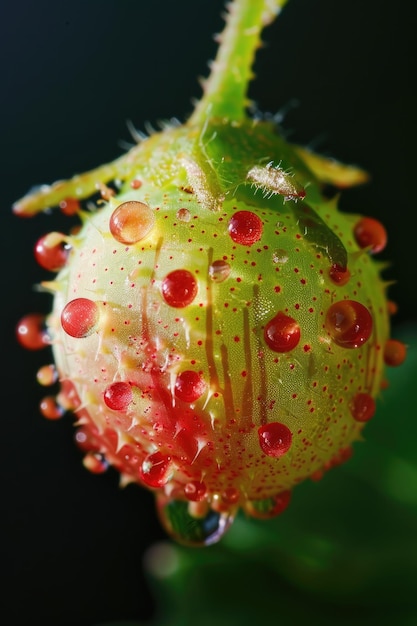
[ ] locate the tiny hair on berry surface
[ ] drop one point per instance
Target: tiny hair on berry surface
(221, 306)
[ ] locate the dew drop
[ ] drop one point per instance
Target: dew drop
(189, 386)
(85, 440)
(51, 251)
(47, 375)
(362, 407)
(189, 530)
(282, 333)
(179, 288)
(275, 439)
(79, 317)
(50, 408)
(69, 206)
(245, 227)
(219, 270)
(370, 233)
(395, 352)
(184, 215)
(195, 491)
(269, 507)
(231, 495)
(280, 256)
(131, 222)
(31, 332)
(156, 469)
(95, 462)
(349, 323)
(118, 396)
(338, 275)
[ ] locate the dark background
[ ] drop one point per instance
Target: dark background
(72, 74)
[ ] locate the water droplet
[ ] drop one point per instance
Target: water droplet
(189, 386)
(47, 375)
(188, 530)
(118, 396)
(231, 495)
(280, 256)
(51, 251)
(338, 275)
(80, 317)
(349, 323)
(362, 407)
(395, 352)
(269, 507)
(179, 288)
(245, 227)
(69, 206)
(219, 270)
(85, 439)
(156, 469)
(184, 215)
(370, 233)
(95, 462)
(282, 333)
(195, 491)
(131, 222)
(31, 332)
(275, 439)
(50, 408)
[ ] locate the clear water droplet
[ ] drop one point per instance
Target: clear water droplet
(190, 530)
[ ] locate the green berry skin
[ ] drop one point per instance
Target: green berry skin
(195, 185)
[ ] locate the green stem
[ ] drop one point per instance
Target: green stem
(225, 90)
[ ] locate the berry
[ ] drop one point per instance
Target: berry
(220, 327)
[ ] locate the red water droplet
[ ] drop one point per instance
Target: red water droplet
(339, 275)
(118, 396)
(179, 288)
(47, 375)
(349, 323)
(85, 440)
(69, 206)
(219, 270)
(392, 307)
(245, 227)
(231, 495)
(362, 407)
(275, 439)
(282, 333)
(195, 491)
(51, 251)
(80, 317)
(95, 462)
(136, 183)
(395, 352)
(189, 386)
(31, 332)
(369, 232)
(131, 222)
(155, 469)
(50, 408)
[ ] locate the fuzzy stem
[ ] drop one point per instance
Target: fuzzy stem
(225, 90)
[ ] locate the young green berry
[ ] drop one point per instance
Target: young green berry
(220, 329)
